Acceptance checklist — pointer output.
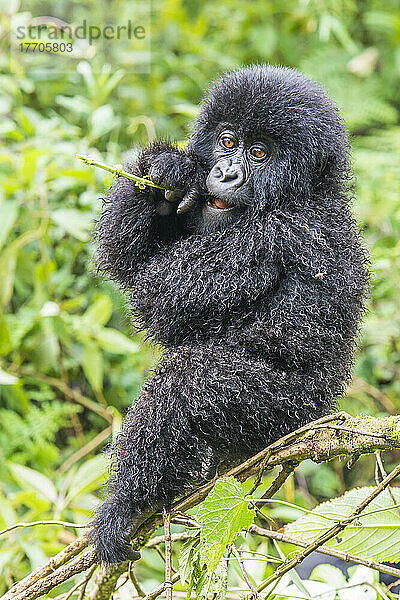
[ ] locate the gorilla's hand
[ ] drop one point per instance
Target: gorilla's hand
(180, 173)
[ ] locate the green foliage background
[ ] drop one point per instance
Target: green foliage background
(69, 365)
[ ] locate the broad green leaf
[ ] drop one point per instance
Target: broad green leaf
(8, 262)
(5, 558)
(99, 312)
(360, 575)
(7, 378)
(102, 120)
(329, 574)
(77, 104)
(188, 551)
(75, 222)
(84, 175)
(315, 589)
(222, 515)
(83, 505)
(114, 341)
(47, 351)
(89, 476)
(34, 552)
(92, 364)
(19, 324)
(8, 515)
(372, 536)
(8, 216)
(214, 582)
(29, 164)
(43, 486)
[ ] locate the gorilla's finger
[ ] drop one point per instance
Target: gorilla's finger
(173, 195)
(155, 176)
(188, 201)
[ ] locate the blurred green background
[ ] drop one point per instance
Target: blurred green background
(69, 366)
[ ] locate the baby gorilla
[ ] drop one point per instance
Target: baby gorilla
(249, 271)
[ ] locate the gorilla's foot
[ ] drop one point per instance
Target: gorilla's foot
(110, 533)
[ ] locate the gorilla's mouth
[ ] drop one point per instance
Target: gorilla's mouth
(219, 204)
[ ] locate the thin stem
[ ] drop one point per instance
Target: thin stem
(168, 555)
(244, 572)
(85, 582)
(331, 533)
(48, 522)
(159, 590)
(276, 485)
(281, 537)
(117, 171)
(135, 582)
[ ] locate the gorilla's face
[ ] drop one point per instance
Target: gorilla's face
(236, 158)
(270, 138)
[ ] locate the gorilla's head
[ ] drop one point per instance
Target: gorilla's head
(268, 136)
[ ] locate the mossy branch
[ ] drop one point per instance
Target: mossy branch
(321, 440)
(117, 171)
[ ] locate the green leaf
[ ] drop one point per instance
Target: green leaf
(8, 262)
(43, 486)
(8, 216)
(99, 312)
(90, 476)
(8, 515)
(47, 351)
(186, 558)
(214, 582)
(315, 589)
(360, 575)
(102, 120)
(114, 341)
(19, 324)
(75, 222)
(92, 364)
(222, 515)
(329, 574)
(7, 378)
(372, 536)
(29, 164)
(5, 559)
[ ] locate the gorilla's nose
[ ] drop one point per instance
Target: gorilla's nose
(228, 175)
(225, 176)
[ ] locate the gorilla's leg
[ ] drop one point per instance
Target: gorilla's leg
(156, 456)
(199, 399)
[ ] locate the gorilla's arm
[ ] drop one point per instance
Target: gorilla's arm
(316, 308)
(201, 282)
(135, 224)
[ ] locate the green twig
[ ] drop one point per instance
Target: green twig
(117, 171)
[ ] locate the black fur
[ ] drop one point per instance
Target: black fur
(258, 313)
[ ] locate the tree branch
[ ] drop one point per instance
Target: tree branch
(105, 581)
(282, 537)
(319, 441)
(331, 533)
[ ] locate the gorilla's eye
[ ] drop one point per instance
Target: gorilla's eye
(227, 142)
(258, 152)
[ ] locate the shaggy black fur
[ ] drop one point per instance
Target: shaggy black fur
(258, 311)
